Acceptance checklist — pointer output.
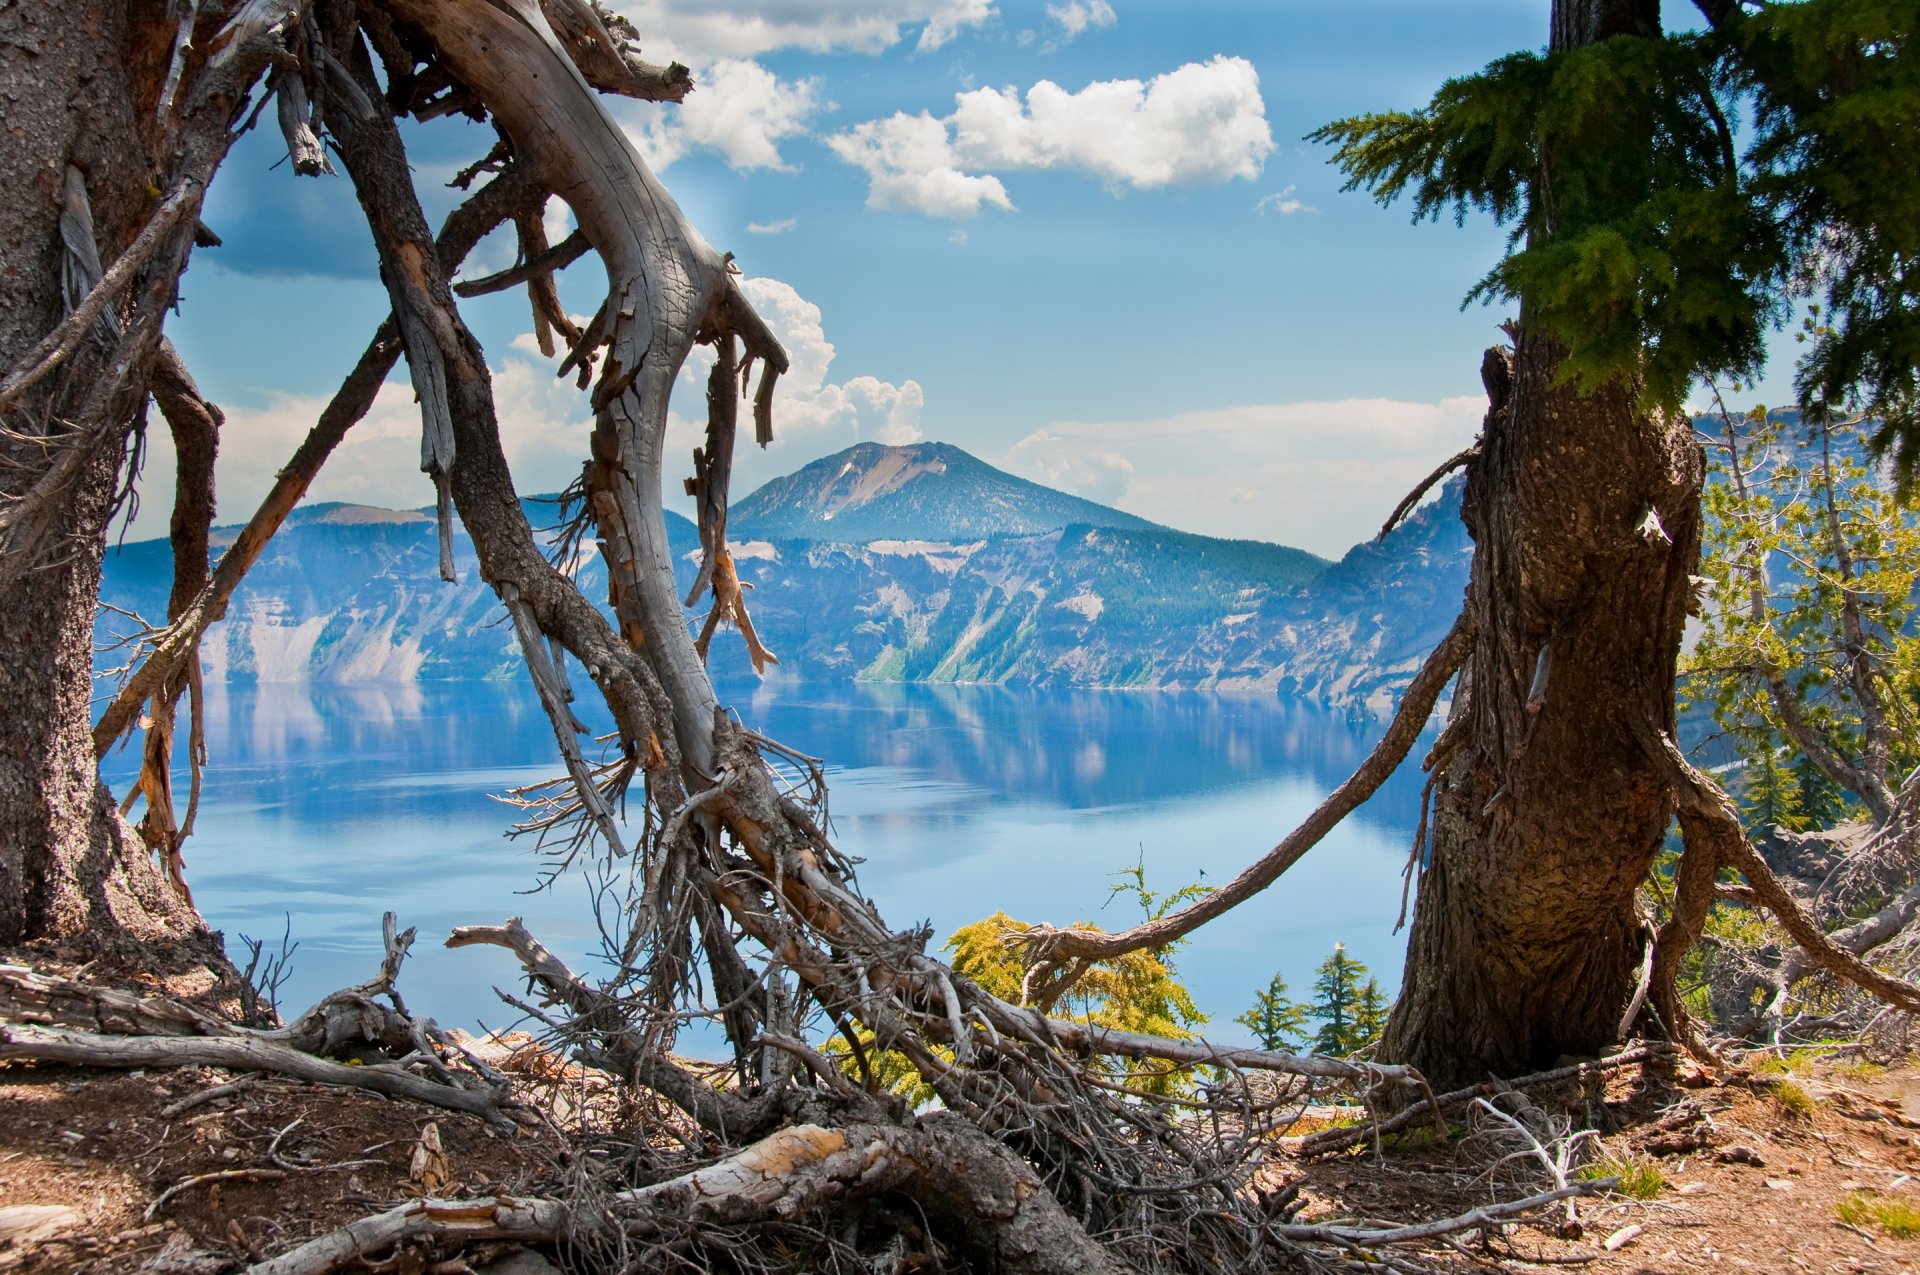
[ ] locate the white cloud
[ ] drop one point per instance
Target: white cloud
(1322, 476)
(1202, 122)
(780, 227)
(1077, 16)
(699, 31)
(1073, 465)
(738, 108)
(1283, 203)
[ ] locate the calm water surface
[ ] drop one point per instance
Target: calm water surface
(325, 806)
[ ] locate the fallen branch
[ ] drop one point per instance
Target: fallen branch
(1417, 1232)
(21, 1041)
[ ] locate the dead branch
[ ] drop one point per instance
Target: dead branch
(173, 651)
(1420, 1232)
(58, 1044)
(558, 257)
(1412, 498)
(1708, 814)
(1416, 707)
(501, 1217)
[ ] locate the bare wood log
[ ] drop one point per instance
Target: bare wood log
(501, 1217)
(58, 1044)
(998, 1207)
(29, 996)
(1416, 706)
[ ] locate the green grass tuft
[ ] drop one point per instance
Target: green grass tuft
(1634, 1176)
(1897, 1218)
(1793, 1100)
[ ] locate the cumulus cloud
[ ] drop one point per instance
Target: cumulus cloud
(1077, 16)
(1203, 122)
(1318, 475)
(738, 108)
(697, 31)
(780, 227)
(1282, 203)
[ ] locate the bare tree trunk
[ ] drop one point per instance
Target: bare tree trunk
(70, 869)
(1527, 943)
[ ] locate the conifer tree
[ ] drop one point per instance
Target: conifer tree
(1370, 1014)
(1337, 1003)
(1652, 245)
(1276, 1021)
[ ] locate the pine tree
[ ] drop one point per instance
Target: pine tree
(1336, 1003)
(1275, 1021)
(1370, 1015)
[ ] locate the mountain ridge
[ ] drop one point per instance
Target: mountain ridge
(913, 491)
(349, 593)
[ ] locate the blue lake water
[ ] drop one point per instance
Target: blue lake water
(325, 806)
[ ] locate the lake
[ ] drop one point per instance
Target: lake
(326, 805)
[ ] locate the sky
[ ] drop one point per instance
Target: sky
(1086, 241)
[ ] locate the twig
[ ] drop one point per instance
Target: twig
(224, 1175)
(1412, 498)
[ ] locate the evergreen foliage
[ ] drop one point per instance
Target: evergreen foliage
(1277, 1022)
(1663, 248)
(1809, 638)
(1337, 1003)
(1137, 991)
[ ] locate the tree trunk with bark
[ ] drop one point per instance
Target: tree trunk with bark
(84, 79)
(1527, 942)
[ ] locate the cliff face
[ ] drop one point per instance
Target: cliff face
(1079, 596)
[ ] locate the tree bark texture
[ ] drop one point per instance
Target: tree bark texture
(1527, 942)
(77, 77)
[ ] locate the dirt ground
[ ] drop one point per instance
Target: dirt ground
(1746, 1170)
(1743, 1170)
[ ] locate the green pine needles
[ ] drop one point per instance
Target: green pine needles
(1671, 199)
(1347, 1003)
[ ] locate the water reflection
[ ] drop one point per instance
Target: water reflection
(330, 804)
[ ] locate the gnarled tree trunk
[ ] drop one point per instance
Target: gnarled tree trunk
(83, 82)
(1527, 942)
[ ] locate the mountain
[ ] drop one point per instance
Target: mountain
(923, 491)
(350, 594)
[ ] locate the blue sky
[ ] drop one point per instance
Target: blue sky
(1084, 240)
